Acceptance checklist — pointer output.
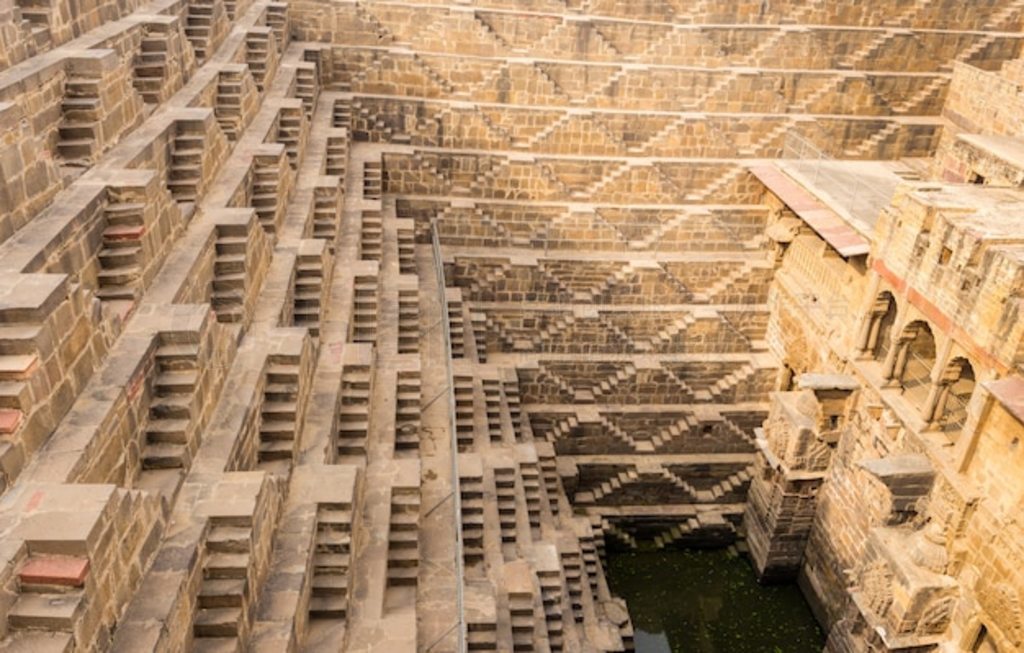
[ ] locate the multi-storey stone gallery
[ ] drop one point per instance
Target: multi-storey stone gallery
(375, 325)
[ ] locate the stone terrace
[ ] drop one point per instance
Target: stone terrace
(320, 318)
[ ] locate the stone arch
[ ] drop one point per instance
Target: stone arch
(984, 642)
(955, 388)
(915, 354)
(880, 325)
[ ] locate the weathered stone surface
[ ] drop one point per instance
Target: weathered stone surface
(303, 342)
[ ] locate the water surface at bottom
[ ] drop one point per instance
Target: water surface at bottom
(708, 601)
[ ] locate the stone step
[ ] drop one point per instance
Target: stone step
(276, 450)
(125, 255)
(53, 612)
(222, 593)
(226, 565)
(217, 622)
(37, 642)
(229, 539)
(171, 407)
(167, 431)
(176, 382)
(163, 455)
(328, 606)
(216, 645)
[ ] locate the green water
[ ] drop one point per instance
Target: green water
(708, 601)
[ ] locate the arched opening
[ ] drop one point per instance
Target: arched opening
(957, 387)
(984, 643)
(883, 318)
(914, 374)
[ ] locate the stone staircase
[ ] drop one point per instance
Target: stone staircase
(152, 63)
(493, 409)
(608, 487)
(640, 446)
(676, 533)
(408, 316)
(732, 381)
(606, 388)
(912, 104)
(364, 309)
(471, 487)
(733, 484)
(575, 578)
(521, 611)
(201, 26)
(165, 451)
(563, 389)
(279, 412)
(268, 171)
(35, 22)
(529, 475)
(235, 88)
(332, 558)
(403, 538)
(371, 237)
(667, 335)
(725, 282)
(373, 181)
(291, 132)
(337, 151)
(48, 604)
(308, 290)
(456, 322)
(549, 476)
(122, 255)
(505, 489)
(226, 585)
(465, 424)
(552, 591)
(229, 267)
(870, 146)
(407, 413)
(258, 49)
(185, 173)
(79, 133)
(354, 411)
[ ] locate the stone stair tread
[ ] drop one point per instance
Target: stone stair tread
(215, 645)
(37, 642)
(329, 604)
(217, 616)
(45, 611)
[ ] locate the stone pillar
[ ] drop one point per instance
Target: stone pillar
(896, 361)
(795, 450)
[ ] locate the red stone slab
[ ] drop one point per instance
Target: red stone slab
(54, 570)
(124, 232)
(826, 223)
(1010, 393)
(10, 420)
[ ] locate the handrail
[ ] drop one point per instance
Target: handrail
(460, 625)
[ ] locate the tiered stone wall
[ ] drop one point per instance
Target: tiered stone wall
(231, 349)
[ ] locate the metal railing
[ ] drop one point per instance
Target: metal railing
(858, 194)
(456, 493)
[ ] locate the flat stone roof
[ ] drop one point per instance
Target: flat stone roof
(828, 224)
(1010, 393)
(992, 214)
(1006, 148)
(856, 190)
